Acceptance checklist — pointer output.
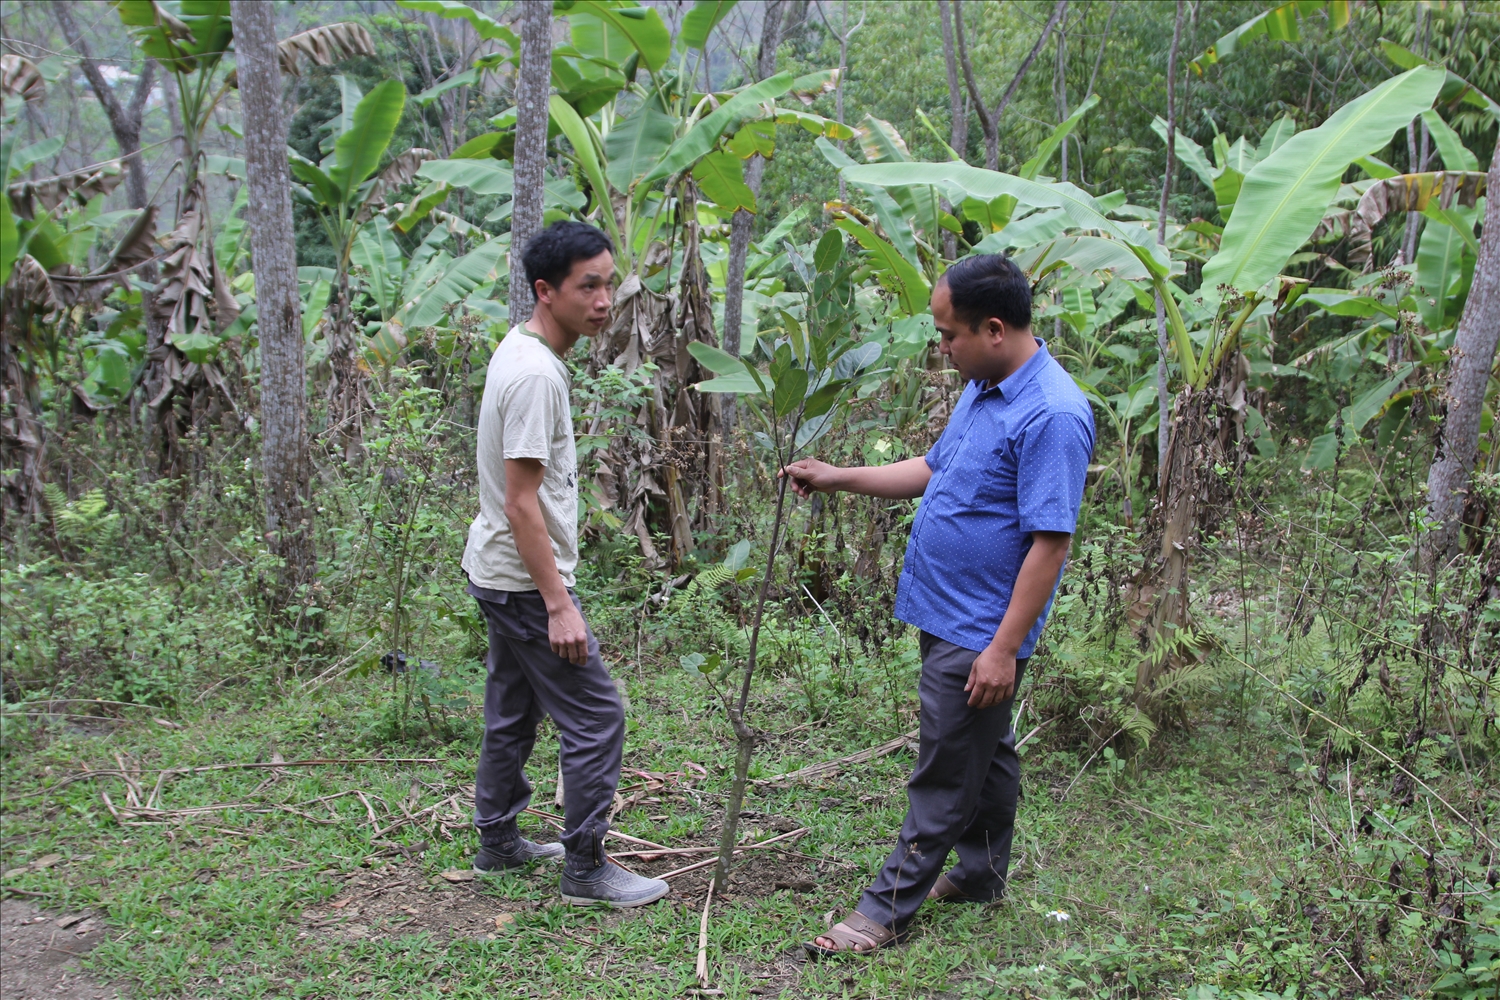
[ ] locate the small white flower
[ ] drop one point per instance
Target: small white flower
(1059, 915)
(1040, 968)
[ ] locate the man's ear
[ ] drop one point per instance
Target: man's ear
(996, 327)
(542, 290)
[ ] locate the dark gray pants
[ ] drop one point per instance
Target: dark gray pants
(526, 681)
(961, 796)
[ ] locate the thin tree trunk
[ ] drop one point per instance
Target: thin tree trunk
(1468, 378)
(533, 83)
(743, 223)
(273, 246)
(744, 734)
(958, 124)
(1163, 397)
(989, 121)
(1103, 40)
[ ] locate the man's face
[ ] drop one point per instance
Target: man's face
(581, 305)
(975, 351)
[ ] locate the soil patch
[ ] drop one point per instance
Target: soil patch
(39, 954)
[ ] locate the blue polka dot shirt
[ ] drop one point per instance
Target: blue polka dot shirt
(1011, 461)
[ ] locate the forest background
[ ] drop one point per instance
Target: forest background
(241, 682)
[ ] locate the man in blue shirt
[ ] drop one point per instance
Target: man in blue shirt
(1000, 495)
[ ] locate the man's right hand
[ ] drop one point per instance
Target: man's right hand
(809, 476)
(568, 634)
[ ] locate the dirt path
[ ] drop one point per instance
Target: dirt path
(39, 954)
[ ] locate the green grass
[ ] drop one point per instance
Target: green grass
(1173, 872)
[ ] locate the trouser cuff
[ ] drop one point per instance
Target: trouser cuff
(499, 834)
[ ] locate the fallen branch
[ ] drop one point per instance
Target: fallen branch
(557, 821)
(703, 939)
(738, 850)
(314, 762)
(827, 766)
(1164, 819)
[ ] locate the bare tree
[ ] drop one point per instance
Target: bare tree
(843, 34)
(958, 117)
(1163, 397)
(533, 84)
(743, 222)
(1468, 378)
(124, 120)
(989, 121)
(273, 246)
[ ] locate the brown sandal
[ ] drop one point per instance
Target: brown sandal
(945, 891)
(856, 934)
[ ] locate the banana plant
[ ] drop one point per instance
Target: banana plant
(797, 391)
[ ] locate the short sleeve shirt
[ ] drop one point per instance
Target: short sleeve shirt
(1012, 460)
(525, 413)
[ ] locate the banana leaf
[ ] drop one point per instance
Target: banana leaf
(1284, 197)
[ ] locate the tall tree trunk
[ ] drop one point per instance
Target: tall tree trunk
(958, 124)
(1163, 397)
(742, 223)
(989, 121)
(1468, 379)
(533, 84)
(273, 246)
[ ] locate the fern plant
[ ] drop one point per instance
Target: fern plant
(85, 522)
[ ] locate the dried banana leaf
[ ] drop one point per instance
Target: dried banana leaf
(19, 77)
(399, 172)
(1406, 193)
(324, 46)
(49, 192)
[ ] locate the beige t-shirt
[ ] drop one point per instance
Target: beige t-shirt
(525, 414)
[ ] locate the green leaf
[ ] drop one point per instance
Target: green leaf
(1048, 146)
(483, 177)
(715, 360)
(701, 21)
(1370, 404)
(752, 138)
(790, 390)
(961, 180)
(312, 175)
(421, 206)
(1440, 260)
(1284, 197)
(1322, 453)
(1455, 154)
(822, 400)
(376, 250)
(740, 383)
(636, 143)
(643, 26)
(829, 252)
(485, 27)
(1276, 136)
(358, 151)
(459, 278)
(700, 139)
(486, 146)
(880, 142)
(10, 240)
(467, 78)
(721, 176)
(910, 286)
(582, 140)
(1189, 153)
(1279, 23)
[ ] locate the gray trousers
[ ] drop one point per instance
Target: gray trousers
(526, 681)
(961, 796)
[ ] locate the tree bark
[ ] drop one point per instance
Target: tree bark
(273, 246)
(1468, 378)
(1163, 397)
(958, 125)
(743, 223)
(989, 121)
(533, 84)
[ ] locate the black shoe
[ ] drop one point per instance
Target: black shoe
(611, 885)
(514, 854)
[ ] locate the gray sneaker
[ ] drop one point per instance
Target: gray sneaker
(492, 860)
(611, 885)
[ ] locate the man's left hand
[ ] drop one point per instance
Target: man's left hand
(992, 679)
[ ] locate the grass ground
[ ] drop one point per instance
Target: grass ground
(1163, 878)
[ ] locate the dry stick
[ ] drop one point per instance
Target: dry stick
(738, 850)
(316, 762)
(703, 938)
(813, 770)
(1165, 819)
(557, 821)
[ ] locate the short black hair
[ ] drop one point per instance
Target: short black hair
(989, 284)
(551, 253)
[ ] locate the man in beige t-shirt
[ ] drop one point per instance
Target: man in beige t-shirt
(522, 551)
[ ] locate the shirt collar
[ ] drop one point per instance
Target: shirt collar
(557, 359)
(1011, 386)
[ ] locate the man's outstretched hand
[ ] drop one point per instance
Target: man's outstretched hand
(809, 476)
